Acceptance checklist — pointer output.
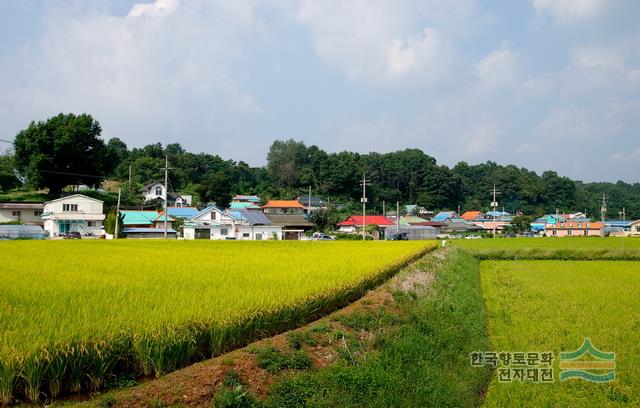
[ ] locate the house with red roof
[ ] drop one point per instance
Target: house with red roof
(354, 224)
(472, 215)
(282, 207)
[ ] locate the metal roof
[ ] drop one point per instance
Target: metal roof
(22, 206)
(148, 230)
(182, 212)
(253, 217)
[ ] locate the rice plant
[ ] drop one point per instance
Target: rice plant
(74, 314)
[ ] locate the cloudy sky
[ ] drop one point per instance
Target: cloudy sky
(546, 84)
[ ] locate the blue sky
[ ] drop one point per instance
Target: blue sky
(546, 84)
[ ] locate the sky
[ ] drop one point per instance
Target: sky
(543, 84)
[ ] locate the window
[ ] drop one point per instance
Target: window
(569, 232)
(91, 223)
(245, 235)
(16, 213)
(159, 191)
(213, 215)
(70, 207)
(37, 213)
(258, 237)
(224, 231)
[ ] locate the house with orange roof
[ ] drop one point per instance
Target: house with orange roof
(282, 207)
(575, 229)
(472, 215)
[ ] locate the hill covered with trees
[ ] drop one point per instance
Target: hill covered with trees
(41, 159)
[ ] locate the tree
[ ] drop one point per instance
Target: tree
(216, 188)
(63, 150)
(521, 224)
(8, 179)
(323, 219)
(110, 224)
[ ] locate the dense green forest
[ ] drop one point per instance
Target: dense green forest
(408, 176)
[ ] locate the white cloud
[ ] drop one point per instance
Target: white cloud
(155, 9)
(165, 65)
(376, 41)
(498, 69)
(633, 155)
(570, 10)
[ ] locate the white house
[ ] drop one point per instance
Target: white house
(76, 212)
(26, 213)
(214, 223)
(634, 229)
(156, 191)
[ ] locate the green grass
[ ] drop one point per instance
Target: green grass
(579, 248)
(554, 305)
(421, 361)
(74, 313)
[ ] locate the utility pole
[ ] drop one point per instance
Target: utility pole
(555, 224)
(364, 184)
(384, 212)
(603, 208)
(397, 217)
(166, 191)
(494, 205)
(622, 214)
(129, 178)
(309, 203)
(115, 236)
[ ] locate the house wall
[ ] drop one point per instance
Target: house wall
(574, 232)
(26, 216)
(89, 211)
(150, 194)
(216, 232)
(635, 229)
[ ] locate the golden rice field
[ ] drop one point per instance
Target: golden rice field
(73, 313)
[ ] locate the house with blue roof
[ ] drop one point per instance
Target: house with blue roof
(443, 216)
(182, 212)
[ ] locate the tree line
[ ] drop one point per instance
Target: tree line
(68, 149)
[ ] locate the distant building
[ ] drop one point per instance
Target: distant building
(214, 223)
(149, 233)
(472, 215)
(74, 213)
(315, 203)
(156, 191)
(575, 229)
(282, 207)
(634, 228)
(182, 212)
(354, 224)
(443, 216)
(246, 199)
(145, 219)
(25, 213)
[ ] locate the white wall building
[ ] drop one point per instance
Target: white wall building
(213, 223)
(73, 213)
(26, 213)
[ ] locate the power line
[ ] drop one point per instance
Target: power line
(6, 141)
(71, 174)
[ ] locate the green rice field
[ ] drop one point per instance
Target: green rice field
(578, 248)
(72, 313)
(552, 306)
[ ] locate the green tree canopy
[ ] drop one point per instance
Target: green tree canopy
(63, 150)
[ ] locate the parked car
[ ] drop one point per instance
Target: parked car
(319, 236)
(402, 236)
(73, 235)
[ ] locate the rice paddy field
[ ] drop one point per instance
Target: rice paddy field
(74, 313)
(540, 305)
(578, 248)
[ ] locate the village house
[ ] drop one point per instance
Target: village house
(311, 203)
(156, 191)
(182, 212)
(282, 207)
(145, 219)
(24, 213)
(74, 213)
(245, 202)
(575, 229)
(472, 215)
(354, 224)
(634, 228)
(443, 216)
(214, 223)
